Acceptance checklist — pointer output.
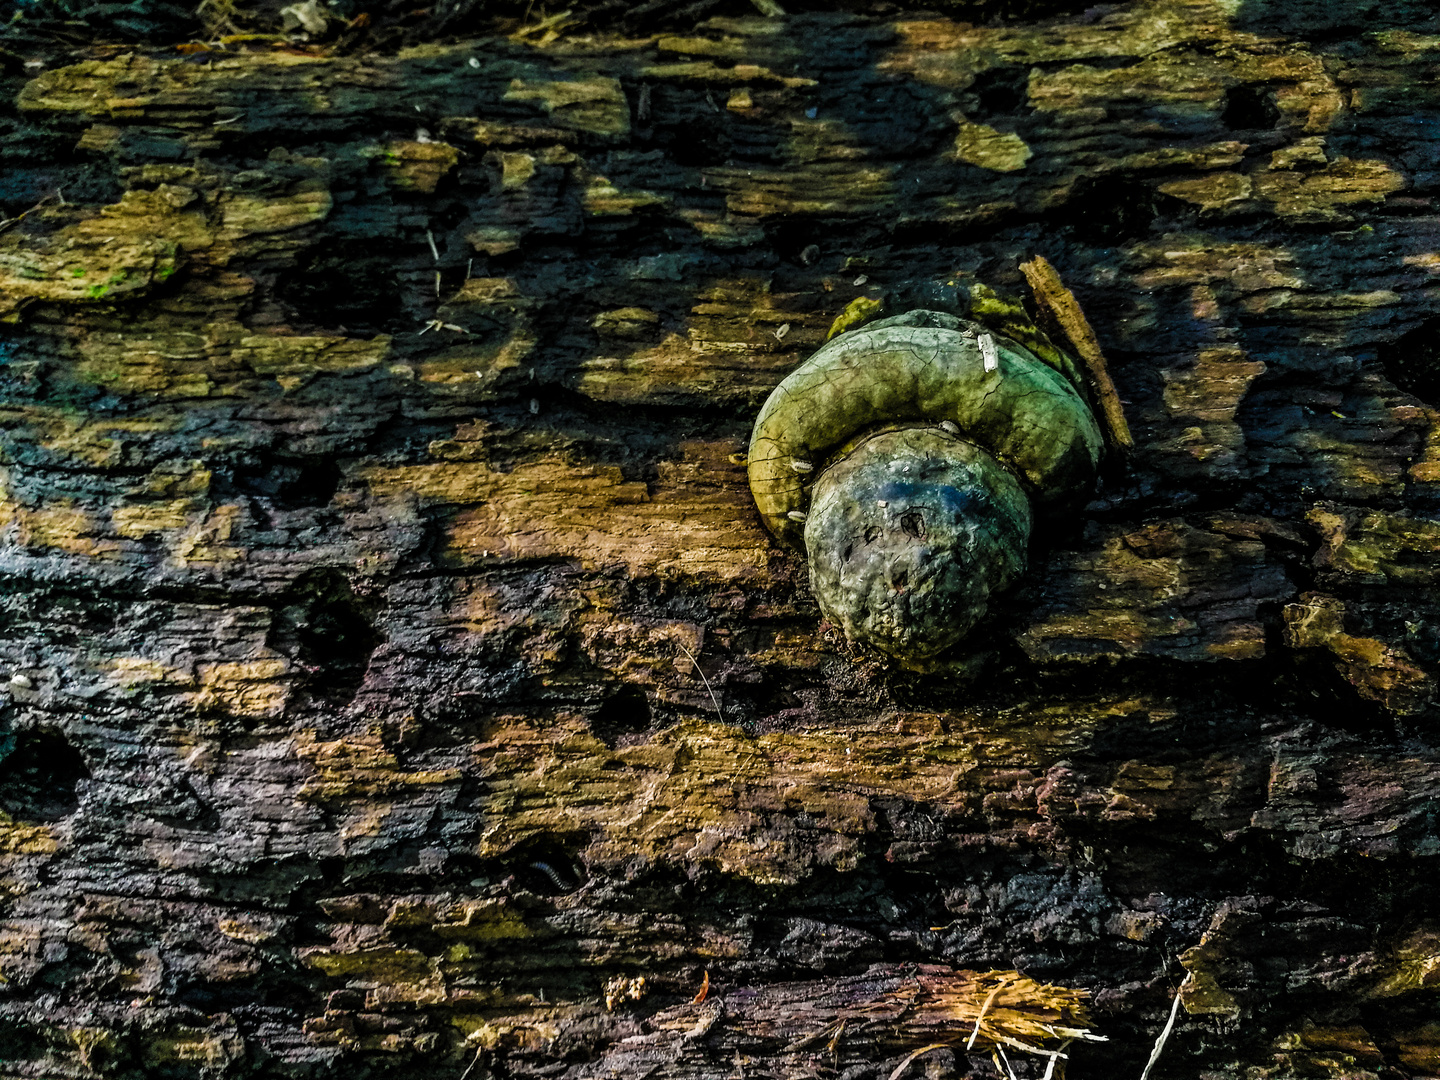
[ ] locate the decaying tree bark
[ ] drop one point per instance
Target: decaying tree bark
(397, 665)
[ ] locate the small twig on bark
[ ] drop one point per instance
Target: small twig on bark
(707, 1021)
(5, 223)
(1060, 304)
(805, 1041)
(1160, 1042)
(718, 711)
(554, 22)
(479, 1051)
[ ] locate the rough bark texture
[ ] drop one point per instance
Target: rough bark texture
(396, 659)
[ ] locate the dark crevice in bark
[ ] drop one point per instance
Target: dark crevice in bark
(39, 773)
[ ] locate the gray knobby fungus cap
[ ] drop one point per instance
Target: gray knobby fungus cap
(905, 457)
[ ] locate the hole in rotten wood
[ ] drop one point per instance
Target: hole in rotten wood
(1413, 362)
(622, 717)
(547, 866)
(329, 631)
(1103, 210)
(1001, 91)
(287, 482)
(799, 242)
(1248, 108)
(349, 285)
(39, 772)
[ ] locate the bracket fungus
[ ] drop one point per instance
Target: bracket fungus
(909, 460)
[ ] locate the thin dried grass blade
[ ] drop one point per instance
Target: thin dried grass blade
(970, 1044)
(1018, 1045)
(1050, 1066)
(1160, 1042)
(900, 1069)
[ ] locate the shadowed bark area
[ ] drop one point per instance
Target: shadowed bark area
(398, 667)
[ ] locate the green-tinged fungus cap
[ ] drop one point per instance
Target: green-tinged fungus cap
(926, 368)
(908, 536)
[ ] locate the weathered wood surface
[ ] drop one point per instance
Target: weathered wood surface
(396, 658)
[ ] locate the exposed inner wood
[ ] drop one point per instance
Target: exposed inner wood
(1058, 303)
(396, 660)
